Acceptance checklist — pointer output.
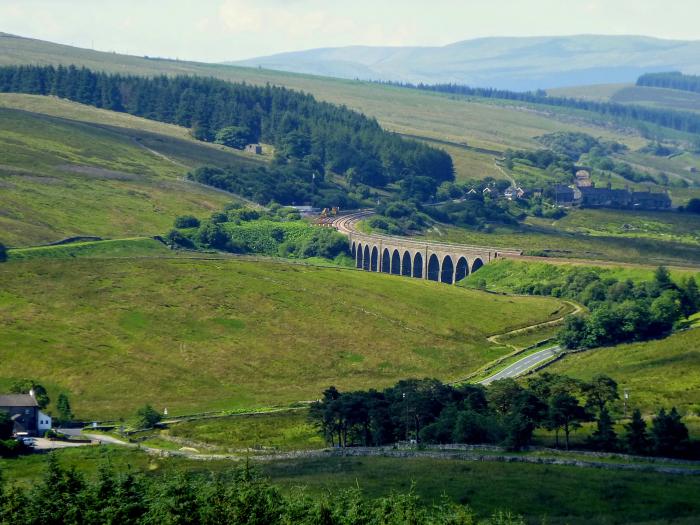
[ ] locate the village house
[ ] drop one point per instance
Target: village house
(25, 414)
(514, 193)
(255, 149)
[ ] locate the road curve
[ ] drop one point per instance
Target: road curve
(523, 365)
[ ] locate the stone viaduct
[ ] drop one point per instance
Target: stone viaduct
(434, 261)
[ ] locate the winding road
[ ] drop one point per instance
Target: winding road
(523, 365)
(347, 224)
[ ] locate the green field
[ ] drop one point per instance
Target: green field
(278, 431)
(657, 373)
(550, 494)
(509, 275)
(664, 226)
(555, 494)
(193, 335)
(658, 97)
(643, 237)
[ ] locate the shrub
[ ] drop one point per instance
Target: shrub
(187, 221)
(147, 417)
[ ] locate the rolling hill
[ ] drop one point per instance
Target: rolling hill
(197, 334)
(69, 169)
(518, 64)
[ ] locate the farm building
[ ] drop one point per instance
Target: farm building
(256, 149)
(25, 413)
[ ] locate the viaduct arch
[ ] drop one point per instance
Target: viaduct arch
(434, 261)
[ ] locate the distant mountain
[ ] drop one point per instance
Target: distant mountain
(507, 63)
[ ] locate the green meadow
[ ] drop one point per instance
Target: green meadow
(194, 335)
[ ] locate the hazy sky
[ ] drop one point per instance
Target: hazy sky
(217, 30)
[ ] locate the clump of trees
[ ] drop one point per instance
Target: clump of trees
(242, 496)
(310, 137)
(277, 230)
(505, 413)
(693, 206)
(624, 311)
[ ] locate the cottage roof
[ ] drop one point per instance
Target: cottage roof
(17, 400)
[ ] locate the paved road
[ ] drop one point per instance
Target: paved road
(524, 364)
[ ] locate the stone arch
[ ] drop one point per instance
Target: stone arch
(433, 268)
(462, 269)
(353, 250)
(396, 263)
(447, 270)
(406, 263)
(365, 258)
(359, 256)
(418, 266)
(374, 265)
(386, 261)
(478, 263)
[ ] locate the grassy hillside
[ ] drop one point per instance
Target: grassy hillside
(656, 373)
(440, 118)
(193, 334)
(71, 170)
(429, 115)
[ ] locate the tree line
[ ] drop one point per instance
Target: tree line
(671, 80)
(505, 413)
(314, 136)
(667, 118)
(240, 497)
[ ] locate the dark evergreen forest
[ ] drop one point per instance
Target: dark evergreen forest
(672, 80)
(310, 137)
(628, 113)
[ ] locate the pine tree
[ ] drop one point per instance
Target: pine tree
(604, 436)
(668, 433)
(63, 408)
(636, 438)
